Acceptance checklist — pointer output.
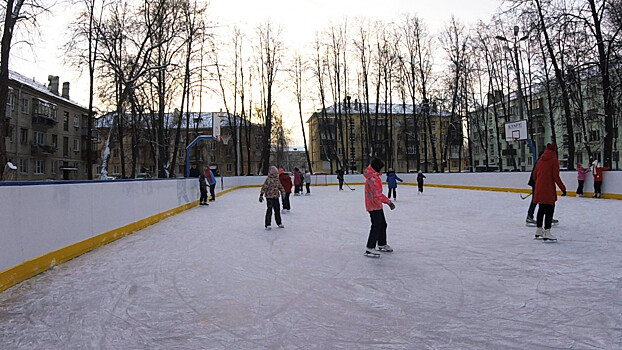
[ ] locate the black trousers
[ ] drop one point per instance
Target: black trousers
(273, 205)
(580, 188)
(597, 186)
(532, 205)
(545, 213)
(203, 198)
(297, 189)
(340, 184)
(308, 185)
(212, 191)
(286, 204)
(378, 232)
(420, 187)
(394, 190)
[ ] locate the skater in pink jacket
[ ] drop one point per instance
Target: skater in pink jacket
(374, 199)
(581, 173)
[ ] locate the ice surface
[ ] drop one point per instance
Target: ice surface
(466, 274)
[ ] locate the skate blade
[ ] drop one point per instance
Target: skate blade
(374, 256)
(549, 240)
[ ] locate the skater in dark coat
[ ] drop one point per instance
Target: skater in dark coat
(340, 179)
(546, 176)
(392, 180)
(272, 190)
(203, 189)
(286, 182)
(420, 178)
(374, 199)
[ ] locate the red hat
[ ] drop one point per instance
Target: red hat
(552, 147)
(281, 171)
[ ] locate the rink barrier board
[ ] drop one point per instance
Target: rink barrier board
(31, 268)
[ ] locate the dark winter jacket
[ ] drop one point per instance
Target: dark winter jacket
(194, 172)
(286, 182)
(202, 183)
(340, 174)
(392, 179)
(420, 178)
(546, 175)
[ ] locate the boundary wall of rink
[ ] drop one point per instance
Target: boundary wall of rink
(43, 224)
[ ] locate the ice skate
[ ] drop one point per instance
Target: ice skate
(530, 221)
(539, 232)
(370, 253)
(547, 236)
(384, 248)
(268, 227)
(555, 222)
(281, 226)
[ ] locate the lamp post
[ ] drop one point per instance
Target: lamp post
(515, 63)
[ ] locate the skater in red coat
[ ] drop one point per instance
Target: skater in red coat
(546, 176)
(597, 172)
(286, 182)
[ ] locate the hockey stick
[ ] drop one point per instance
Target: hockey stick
(351, 189)
(527, 196)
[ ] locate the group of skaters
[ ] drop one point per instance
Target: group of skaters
(277, 185)
(206, 180)
(544, 177)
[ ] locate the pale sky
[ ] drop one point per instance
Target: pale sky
(299, 20)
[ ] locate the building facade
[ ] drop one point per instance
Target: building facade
(47, 131)
(218, 153)
(407, 139)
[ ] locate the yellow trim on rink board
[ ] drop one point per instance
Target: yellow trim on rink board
(30, 268)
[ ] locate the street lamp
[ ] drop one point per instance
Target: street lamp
(516, 62)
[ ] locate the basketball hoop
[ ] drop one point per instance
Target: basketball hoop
(225, 139)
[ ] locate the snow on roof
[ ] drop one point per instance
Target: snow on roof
(202, 121)
(358, 108)
(35, 85)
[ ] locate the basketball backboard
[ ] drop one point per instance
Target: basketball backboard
(515, 131)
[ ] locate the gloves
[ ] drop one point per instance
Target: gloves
(563, 193)
(391, 205)
(260, 199)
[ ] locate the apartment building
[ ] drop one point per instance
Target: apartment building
(47, 130)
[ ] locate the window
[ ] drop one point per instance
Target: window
(25, 105)
(54, 140)
(66, 121)
(579, 157)
(39, 138)
(66, 146)
(577, 137)
(595, 135)
(229, 167)
(54, 167)
(115, 153)
(23, 166)
(212, 146)
(115, 169)
(23, 136)
(11, 134)
(12, 100)
(39, 166)
(76, 121)
(181, 153)
(76, 145)
(212, 159)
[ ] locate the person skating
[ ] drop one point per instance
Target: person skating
(340, 179)
(420, 178)
(307, 179)
(203, 190)
(374, 198)
(211, 182)
(272, 190)
(297, 182)
(286, 182)
(581, 174)
(546, 176)
(392, 180)
(597, 173)
(529, 220)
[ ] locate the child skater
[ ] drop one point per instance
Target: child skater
(272, 189)
(581, 174)
(374, 198)
(546, 176)
(597, 172)
(307, 179)
(392, 180)
(420, 178)
(286, 181)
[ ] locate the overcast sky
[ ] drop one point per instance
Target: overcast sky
(299, 20)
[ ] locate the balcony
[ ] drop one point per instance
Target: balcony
(42, 150)
(42, 122)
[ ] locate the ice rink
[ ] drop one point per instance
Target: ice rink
(465, 274)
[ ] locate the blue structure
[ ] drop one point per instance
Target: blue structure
(194, 142)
